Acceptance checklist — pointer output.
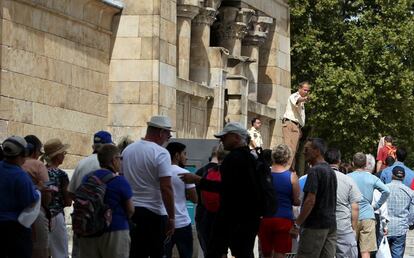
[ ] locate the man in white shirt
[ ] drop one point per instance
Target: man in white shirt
(294, 117)
(84, 167)
(256, 140)
(147, 167)
(183, 234)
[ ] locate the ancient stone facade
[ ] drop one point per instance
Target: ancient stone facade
(72, 67)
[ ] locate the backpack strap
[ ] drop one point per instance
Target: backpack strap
(107, 178)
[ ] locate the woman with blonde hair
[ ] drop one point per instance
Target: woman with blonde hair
(54, 155)
(274, 234)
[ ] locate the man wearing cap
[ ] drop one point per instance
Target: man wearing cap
(294, 117)
(84, 167)
(400, 211)
(147, 167)
(237, 220)
(16, 193)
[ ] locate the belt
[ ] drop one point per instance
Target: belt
(287, 119)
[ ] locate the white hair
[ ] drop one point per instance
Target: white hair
(370, 163)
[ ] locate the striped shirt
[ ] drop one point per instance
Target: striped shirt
(400, 208)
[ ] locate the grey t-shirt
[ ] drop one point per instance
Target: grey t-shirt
(347, 193)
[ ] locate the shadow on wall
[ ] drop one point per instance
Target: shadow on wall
(264, 82)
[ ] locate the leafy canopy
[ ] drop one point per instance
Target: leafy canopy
(358, 55)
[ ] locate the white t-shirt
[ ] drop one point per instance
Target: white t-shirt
(143, 163)
(182, 218)
(84, 167)
(294, 111)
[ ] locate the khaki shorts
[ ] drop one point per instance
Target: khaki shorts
(317, 243)
(365, 234)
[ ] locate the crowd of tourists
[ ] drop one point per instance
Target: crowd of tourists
(129, 200)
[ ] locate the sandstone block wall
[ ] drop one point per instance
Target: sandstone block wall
(54, 70)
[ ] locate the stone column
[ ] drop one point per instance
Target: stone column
(233, 27)
(256, 36)
(186, 11)
(200, 42)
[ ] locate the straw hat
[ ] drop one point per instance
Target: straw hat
(54, 147)
(161, 122)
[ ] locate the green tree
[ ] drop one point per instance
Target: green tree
(359, 57)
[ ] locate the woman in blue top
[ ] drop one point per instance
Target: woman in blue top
(116, 241)
(274, 234)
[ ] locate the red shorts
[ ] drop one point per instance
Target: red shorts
(274, 235)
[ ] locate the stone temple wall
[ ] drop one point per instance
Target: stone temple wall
(72, 67)
(54, 70)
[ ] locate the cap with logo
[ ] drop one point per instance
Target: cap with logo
(398, 172)
(102, 137)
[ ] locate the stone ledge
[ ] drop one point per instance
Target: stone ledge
(194, 88)
(95, 13)
(261, 109)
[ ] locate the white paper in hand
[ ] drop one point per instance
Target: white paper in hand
(29, 214)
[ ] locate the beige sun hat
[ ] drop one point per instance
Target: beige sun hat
(54, 147)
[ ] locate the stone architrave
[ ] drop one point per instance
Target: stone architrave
(186, 11)
(256, 36)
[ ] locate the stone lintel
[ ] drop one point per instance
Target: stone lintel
(261, 109)
(195, 89)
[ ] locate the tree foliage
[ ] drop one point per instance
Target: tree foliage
(358, 55)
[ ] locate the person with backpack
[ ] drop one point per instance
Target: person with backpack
(183, 233)
(238, 216)
(274, 230)
(84, 167)
(387, 150)
(111, 240)
(206, 215)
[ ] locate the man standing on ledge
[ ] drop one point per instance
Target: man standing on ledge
(294, 117)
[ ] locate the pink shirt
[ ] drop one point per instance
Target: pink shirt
(36, 169)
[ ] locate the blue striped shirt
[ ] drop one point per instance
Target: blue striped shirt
(400, 208)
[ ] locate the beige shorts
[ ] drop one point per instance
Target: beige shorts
(365, 234)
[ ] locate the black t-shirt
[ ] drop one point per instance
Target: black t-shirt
(238, 190)
(322, 181)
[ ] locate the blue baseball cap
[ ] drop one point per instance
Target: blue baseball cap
(102, 137)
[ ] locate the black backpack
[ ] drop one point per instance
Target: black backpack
(91, 216)
(263, 181)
